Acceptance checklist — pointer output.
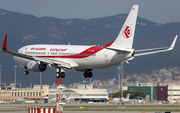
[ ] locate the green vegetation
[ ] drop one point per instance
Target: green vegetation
(167, 110)
(133, 94)
(77, 106)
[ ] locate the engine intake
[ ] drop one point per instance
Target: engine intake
(34, 66)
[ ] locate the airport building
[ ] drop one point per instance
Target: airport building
(9, 93)
(83, 93)
(173, 92)
(161, 91)
(152, 92)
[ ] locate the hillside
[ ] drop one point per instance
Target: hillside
(23, 29)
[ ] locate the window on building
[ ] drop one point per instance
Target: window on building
(9, 88)
(3, 88)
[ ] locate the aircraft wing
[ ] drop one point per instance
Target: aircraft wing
(65, 64)
(155, 50)
(4, 48)
(53, 62)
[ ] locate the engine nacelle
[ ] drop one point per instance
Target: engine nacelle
(34, 66)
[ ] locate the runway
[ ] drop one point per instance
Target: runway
(89, 112)
(95, 108)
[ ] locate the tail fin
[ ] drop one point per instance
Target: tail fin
(126, 35)
(67, 96)
(128, 95)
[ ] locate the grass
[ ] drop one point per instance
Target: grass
(143, 108)
(149, 110)
(117, 106)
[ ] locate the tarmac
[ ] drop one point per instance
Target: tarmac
(89, 112)
(23, 108)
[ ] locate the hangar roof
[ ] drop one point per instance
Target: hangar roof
(86, 91)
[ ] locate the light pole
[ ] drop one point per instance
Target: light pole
(0, 75)
(119, 71)
(15, 75)
(40, 86)
(122, 71)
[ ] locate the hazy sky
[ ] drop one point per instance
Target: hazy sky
(160, 11)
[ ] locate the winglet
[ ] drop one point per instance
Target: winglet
(5, 43)
(173, 43)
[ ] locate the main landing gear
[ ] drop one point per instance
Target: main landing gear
(26, 72)
(60, 73)
(88, 73)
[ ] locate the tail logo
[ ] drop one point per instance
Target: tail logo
(127, 32)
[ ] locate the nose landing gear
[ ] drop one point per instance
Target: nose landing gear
(88, 74)
(26, 72)
(60, 73)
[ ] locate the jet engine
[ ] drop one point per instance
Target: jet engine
(35, 66)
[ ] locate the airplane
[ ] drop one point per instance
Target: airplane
(67, 99)
(121, 100)
(83, 58)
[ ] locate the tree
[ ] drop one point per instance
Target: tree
(133, 94)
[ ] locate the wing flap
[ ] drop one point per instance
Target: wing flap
(53, 62)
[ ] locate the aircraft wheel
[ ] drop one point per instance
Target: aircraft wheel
(85, 74)
(62, 74)
(90, 74)
(26, 72)
(58, 75)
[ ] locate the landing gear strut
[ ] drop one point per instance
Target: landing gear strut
(26, 72)
(88, 73)
(60, 73)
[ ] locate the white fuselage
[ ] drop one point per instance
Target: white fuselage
(79, 57)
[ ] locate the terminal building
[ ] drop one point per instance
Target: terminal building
(152, 92)
(83, 93)
(10, 93)
(164, 91)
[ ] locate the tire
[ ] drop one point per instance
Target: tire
(58, 75)
(90, 74)
(62, 74)
(26, 72)
(85, 74)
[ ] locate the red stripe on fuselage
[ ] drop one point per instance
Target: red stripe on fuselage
(86, 53)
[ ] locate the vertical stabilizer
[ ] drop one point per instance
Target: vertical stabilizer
(127, 96)
(67, 96)
(126, 35)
